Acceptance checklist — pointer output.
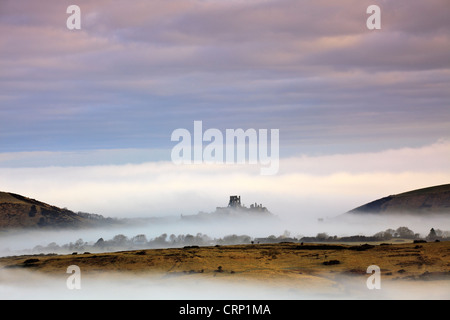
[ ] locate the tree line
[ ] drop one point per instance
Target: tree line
(140, 241)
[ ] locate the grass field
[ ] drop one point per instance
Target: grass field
(282, 264)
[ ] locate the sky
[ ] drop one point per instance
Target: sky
(86, 116)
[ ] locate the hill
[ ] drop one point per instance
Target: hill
(18, 212)
(432, 200)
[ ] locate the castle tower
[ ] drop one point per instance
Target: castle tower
(235, 202)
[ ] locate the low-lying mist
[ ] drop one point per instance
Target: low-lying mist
(212, 231)
(22, 284)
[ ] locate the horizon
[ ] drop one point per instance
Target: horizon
(325, 185)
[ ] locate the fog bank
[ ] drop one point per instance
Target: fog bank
(19, 284)
(28, 242)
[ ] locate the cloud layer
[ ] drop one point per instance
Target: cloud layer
(138, 70)
(305, 186)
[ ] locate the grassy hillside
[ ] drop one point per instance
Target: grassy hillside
(18, 212)
(421, 201)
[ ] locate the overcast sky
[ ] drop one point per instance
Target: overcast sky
(113, 92)
(137, 70)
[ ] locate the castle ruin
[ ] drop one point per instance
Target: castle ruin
(235, 209)
(235, 204)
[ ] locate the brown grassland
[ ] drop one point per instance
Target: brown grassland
(283, 264)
